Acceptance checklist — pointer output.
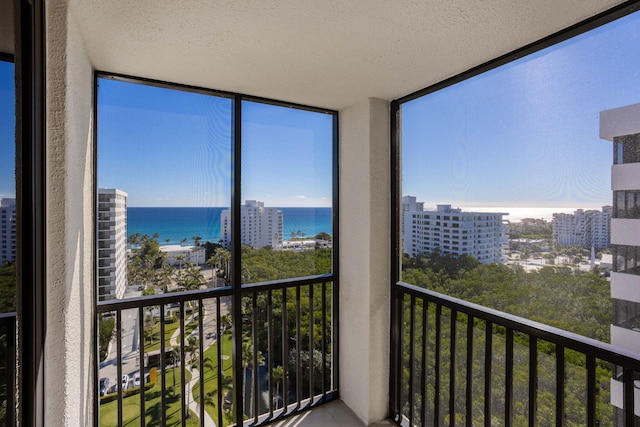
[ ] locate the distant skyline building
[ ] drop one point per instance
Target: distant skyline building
(112, 243)
(622, 127)
(181, 255)
(259, 227)
(590, 228)
(409, 203)
(483, 235)
(7, 230)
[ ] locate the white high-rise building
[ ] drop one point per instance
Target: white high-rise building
(7, 230)
(260, 226)
(483, 235)
(589, 229)
(622, 127)
(409, 204)
(112, 243)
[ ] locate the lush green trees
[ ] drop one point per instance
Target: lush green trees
(554, 295)
(8, 288)
(529, 230)
(106, 331)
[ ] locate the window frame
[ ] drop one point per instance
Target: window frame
(236, 290)
(396, 246)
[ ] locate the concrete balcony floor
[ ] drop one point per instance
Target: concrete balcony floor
(334, 413)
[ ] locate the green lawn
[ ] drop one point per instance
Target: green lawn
(169, 329)
(211, 376)
(153, 406)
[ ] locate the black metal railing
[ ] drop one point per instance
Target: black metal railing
(7, 368)
(458, 363)
(171, 357)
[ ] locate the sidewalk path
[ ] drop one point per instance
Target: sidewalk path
(193, 405)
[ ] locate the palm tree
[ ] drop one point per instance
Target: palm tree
(192, 347)
(277, 373)
(211, 262)
(175, 355)
(247, 359)
(225, 322)
(180, 258)
(183, 241)
(223, 258)
(227, 384)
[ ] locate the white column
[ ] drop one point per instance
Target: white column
(364, 258)
(69, 364)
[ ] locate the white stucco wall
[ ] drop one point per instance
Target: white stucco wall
(364, 258)
(69, 385)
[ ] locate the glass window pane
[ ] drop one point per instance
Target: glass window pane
(513, 159)
(287, 192)
(164, 162)
(7, 187)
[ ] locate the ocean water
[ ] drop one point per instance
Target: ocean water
(176, 224)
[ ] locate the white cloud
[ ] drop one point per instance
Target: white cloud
(301, 197)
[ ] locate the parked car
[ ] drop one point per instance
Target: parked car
(136, 379)
(125, 381)
(104, 385)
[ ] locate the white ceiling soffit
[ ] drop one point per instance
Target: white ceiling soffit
(328, 53)
(6, 26)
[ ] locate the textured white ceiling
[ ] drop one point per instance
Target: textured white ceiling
(6, 26)
(328, 53)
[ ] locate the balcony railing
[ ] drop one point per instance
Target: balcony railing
(7, 368)
(184, 359)
(458, 363)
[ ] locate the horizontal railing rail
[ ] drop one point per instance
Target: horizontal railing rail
(456, 362)
(171, 356)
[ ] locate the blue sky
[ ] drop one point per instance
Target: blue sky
(525, 134)
(173, 148)
(7, 131)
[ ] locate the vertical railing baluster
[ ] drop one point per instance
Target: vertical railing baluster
(183, 401)
(219, 370)
(452, 370)
(533, 380)
(469, 394)
(412, 340)
(508, 389)
(311, 344)
(488, 377)
(423, 374)
(201, 358)
(323, 345)
(270, 349)
(254, 369)
(591, 391)
(285, 353)
(163, 369)
(628, 397)
(436, 397)
(400, 352)
(141, 365)
(559, 385)
(298, 351)
(119, 365)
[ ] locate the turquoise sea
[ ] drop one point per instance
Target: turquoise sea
(176, 224)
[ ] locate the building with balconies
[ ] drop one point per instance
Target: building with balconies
(483, 235)
(261, 226)
(7, 231)
(587, 228)
(621, 126)
(112, 243)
